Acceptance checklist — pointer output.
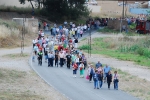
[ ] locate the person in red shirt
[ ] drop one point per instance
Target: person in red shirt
(40, 48)
(38, 45)
(60, 47)
(70, 43)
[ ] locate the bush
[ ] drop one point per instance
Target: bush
(146, 53)
(140, 51)
(132, 26)
(85, 47)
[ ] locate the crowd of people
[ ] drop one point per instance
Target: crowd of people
(100, 74)
(61, 48)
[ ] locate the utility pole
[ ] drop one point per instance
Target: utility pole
(122, 17)
(23, 35)
(90, 42)
(88, 47)
(123, 10)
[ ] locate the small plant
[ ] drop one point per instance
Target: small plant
(132, 26)
(84, 47)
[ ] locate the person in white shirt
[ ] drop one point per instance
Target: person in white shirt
(47, 40)
(66, 32)
(75, 29)
(82, 27)
(64, 29)
(73, 25)
(61, 57)
(77, 60)
(85, 27)
(57, 30)
(33, 42)
(65, 23)
(116, 80)
(78, 31)
(42, 34)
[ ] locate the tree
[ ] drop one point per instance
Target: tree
(58, 9)
(37, 2)
(71, 9)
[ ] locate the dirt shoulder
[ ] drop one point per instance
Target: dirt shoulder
(19, 81)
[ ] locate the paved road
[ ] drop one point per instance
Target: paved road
(76, 88)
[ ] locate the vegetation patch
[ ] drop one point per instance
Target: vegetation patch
(131, 30)
(11, 75)
(128, 48)
(107, 30)
(16, 55)
(5, 95)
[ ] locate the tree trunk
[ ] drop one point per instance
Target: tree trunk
(39, 4)
(32, 5)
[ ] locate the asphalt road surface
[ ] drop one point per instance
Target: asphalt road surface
(76, 88)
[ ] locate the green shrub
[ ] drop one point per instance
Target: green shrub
(140, 51)
(132, 26)
(108, 30)
(146, 53)
(84, 47)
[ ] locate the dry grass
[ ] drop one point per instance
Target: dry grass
(10, 35)
(12, 82)
(127, 41)
(7, 32)
(132, 84)
(17, 55)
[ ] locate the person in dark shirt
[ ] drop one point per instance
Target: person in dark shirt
(109, 79)
(68, 57)
(56, 59)
(40, 54)
(100, 79)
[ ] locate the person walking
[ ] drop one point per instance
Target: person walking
(40, 55)
(33, 42)
(95, 78)
(100, 79)
(61, 57)
(77, 60)
(81, 66)
(91, 72)
(35, 49)
(68, 57)
(109, 79)
(50, 59)
(116, 80)
(74, 69)
(76, 43)
(46, 56)
(81, 32)
(56, 59)
(98, 65)
(106, 70)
